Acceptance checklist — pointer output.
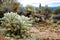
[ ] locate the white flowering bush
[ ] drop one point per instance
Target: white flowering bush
(16, 25)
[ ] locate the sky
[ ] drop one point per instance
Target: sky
(50, 3)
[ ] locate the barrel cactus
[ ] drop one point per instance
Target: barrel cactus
(16, 25)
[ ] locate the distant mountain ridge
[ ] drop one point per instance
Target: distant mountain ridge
(52, 8)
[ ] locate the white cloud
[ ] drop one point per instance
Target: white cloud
(43, 2)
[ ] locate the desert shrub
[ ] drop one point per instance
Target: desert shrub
(16, 25)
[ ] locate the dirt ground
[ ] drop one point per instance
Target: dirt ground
(47, 32)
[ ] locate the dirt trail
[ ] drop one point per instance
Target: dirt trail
(45, 34)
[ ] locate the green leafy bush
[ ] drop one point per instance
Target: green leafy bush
(16, 25)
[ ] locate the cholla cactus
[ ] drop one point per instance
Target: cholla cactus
(16, 25)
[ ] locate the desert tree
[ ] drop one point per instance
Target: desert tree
(57, 11)
(31, 8)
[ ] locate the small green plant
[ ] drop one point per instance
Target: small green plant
(1, 8)
(16, 25)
